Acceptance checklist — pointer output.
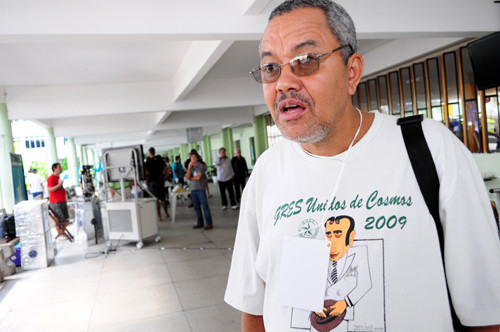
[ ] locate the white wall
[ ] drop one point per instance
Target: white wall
(244, 135)
(489, 163)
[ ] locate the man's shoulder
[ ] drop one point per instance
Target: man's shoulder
(274, 154)
(52, 180)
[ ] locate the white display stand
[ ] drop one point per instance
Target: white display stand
(178, 192)
(133, 220)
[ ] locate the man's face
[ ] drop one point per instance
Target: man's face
(194, 159)
(336, 234)
(58, 170)
(321, 97)
(223, 153)
(238, 153)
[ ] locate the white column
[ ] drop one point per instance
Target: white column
(51, 148)
(7, 200)
(72, 162)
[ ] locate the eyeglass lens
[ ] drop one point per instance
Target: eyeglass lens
(302, 65)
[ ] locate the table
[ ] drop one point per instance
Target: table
(178, 192)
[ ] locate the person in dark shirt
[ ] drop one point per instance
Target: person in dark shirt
(188, 161)
(240, 173)
(156, 171)
(178, 171)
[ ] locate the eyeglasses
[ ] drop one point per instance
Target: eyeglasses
(302, 65)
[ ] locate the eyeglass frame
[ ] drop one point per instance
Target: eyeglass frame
(259, 67)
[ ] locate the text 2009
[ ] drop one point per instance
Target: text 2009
(381, 222)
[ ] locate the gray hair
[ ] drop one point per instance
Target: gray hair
(339, 21)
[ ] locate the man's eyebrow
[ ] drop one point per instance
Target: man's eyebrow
(265, 53)
(305, 43)
(296, 48)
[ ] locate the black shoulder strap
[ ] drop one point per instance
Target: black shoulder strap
(423, 166)
(427, 178)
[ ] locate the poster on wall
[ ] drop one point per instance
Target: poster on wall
(18, 181)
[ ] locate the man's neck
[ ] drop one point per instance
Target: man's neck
(342, 136)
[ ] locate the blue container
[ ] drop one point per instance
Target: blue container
(16, 258)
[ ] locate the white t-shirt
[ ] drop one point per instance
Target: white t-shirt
(36, 181)
(290, 194)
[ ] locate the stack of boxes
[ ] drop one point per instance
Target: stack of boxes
(7, 266)
(33, 230)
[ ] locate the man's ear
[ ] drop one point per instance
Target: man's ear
(355, 67)
(351, 237)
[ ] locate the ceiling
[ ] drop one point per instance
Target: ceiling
(120, 72)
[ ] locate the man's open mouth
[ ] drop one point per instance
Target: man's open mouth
(292, 108)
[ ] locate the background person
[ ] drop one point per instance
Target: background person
(200, 159)
(36, 184)
(240, 173)
(169, 177)
(156, 171)
(178, 171)
(57, 194)
(196, 174)
(225, 176)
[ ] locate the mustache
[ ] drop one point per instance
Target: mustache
(293, 94)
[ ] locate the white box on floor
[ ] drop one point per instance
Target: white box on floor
(132, 220)
(37, 251)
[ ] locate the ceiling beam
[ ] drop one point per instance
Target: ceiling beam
(198, 60)
(47, 102)
(254, 7)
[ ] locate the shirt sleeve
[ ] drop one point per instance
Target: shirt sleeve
(50, 181)
(472, 246)
(245, 288)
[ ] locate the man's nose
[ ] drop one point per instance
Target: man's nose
(287, 80)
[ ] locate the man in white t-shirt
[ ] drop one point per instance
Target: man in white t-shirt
(357, 165)
(36, 184)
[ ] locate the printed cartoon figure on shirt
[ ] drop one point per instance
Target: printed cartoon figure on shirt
(348, 275)
(347, 283)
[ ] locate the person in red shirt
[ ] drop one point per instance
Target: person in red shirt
(57, 194)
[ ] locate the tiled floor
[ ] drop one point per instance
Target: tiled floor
(175, 285)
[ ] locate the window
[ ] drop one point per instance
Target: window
(492, 118)
(454, 113)
(252, 150)
(384, 96)
(407, 90)
(34, 143)
(471, 112)
(420, 89)
(443, 88)
(372, 95)
(355, 99)
(273, 133)
(363, 96)
(434, 70)
(395, 96)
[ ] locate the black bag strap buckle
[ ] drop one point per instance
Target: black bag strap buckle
(410, 119)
